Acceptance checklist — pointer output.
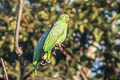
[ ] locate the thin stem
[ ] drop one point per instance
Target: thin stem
(83, 75)
(27, 75)
(5, 72)
(18, 49)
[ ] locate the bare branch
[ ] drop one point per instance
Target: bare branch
(5, 72)
(1, 76)
(18, 49)
(83, 75)
(26, 24)
(27, 75)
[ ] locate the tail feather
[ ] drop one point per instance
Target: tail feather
(35, 64)
(35, 72)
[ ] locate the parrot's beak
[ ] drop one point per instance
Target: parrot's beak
(68, 19)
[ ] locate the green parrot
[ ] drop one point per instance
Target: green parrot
(50, 38)
(39, 52)
(56, 35)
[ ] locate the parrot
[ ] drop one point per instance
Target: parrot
(51, 37)
(38, 51)
(56, 35)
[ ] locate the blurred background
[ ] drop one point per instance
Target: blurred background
(92, 46)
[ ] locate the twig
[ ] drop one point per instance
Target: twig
(83, 75)
(5, 72)
(1, 76)
(26, 24)
(64, 52)
(18, 49)
(27, 75)
(21, 61)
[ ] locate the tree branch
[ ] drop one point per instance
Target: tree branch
(5, 72)
(83, 75)
(1, 76)
(18, 49)
(27, 75)
(26, 24)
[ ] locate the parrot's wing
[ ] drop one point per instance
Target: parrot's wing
(56, 32)
(38, 51)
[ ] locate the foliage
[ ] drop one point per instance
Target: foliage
(92, 44)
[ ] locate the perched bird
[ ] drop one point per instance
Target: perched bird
(54, 36)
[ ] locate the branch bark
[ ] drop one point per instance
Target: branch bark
(27, 75)
(26, 24)
(18, 49)
(5, 72)
(83, 75)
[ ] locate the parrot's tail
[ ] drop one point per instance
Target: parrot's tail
(35, 64)
(35, 72)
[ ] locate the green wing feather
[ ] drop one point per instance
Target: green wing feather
(56, 32)
(38, 51)
(55, 36)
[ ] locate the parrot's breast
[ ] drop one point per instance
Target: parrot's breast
(57, 35)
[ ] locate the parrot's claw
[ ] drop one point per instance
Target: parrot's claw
(56, 47)
(59, 46)
(42, 63)
(62, 45)
(54, 53)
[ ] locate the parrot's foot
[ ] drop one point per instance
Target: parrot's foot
(56, 47)
(44, 62)
(59, 46)
(54, 52)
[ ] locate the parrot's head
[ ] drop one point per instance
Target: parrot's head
(64, 17)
